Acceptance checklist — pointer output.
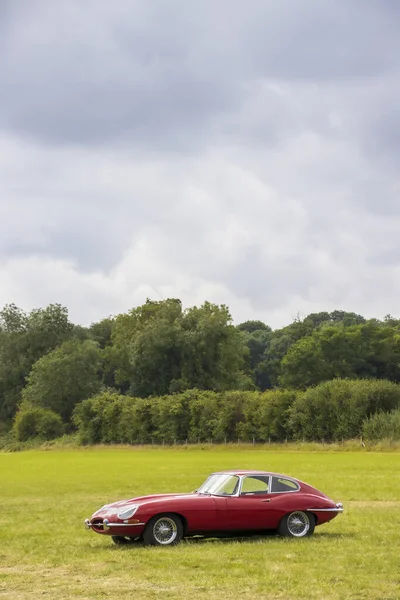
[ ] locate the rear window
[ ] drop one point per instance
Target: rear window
(280, 484)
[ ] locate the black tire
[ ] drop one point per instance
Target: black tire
(163, 530)
(120, 540)
(297, 524)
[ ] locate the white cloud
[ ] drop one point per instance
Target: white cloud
(211, 226)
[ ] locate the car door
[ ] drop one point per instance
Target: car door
(221, 501)
(251, 510)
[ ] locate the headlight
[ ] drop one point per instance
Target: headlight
(127, 513)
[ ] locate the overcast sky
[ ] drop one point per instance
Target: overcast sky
(241, 152)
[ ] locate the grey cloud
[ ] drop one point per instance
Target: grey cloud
(148, 74)
(90, 251)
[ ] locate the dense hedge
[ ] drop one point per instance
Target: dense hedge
(331, 411)
(194, 415)
(336, 409)
(383, 426)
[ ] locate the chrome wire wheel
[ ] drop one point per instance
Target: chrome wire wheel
(165, 531)
(298, 524)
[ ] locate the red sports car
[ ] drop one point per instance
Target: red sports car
(228, 503)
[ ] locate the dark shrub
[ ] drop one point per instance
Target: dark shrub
(382, 425)
(37, 422)
(336, 409)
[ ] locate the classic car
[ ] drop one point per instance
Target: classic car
(228, 503)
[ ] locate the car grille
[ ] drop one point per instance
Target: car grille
(97, 524)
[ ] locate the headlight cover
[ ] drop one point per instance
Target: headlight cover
(127, 513)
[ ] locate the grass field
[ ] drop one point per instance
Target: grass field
(46, 553)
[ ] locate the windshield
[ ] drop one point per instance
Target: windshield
(220, 485)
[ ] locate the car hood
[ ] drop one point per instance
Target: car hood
(154, 498)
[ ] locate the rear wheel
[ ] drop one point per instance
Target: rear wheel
(297, 524)
(163, 530)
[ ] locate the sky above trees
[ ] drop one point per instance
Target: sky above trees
(241, 153)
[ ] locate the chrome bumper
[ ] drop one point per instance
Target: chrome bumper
(106, 524)
(339, 509)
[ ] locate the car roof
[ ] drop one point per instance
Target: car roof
(251, 472)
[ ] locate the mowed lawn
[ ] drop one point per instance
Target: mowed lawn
(45, 552)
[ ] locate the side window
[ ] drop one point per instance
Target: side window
(279, 484)
(255, 485)
(229, 487)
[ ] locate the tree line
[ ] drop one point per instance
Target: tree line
(158, 354)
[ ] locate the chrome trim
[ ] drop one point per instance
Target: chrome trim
(131, 510)
(253, 475)
(337, 509)
(286, 491)
(124, 524)
(106, 524)
(239, 477)
(270, 477)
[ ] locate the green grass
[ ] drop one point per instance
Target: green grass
(46, 553)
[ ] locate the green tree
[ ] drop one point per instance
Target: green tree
(215, 355)
(64, 377)
(252, 326)
(101, 332)
(45, 329)
(315, 320)
(357, 351)
(257, 336)
(160, 349)
(24, 338)
(282, 340)
(138, 364)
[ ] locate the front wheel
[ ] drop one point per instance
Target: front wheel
(297, 524)
(120, 540)
(163, 530)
